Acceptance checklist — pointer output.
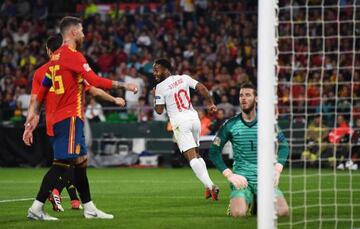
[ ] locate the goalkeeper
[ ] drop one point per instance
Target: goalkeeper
(241, 131)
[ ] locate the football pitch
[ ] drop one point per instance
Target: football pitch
(173, 198)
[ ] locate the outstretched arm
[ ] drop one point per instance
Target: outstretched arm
(97, 92)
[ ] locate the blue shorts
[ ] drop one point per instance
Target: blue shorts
(69, 139)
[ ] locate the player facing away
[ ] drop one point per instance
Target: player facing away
(172, 92)
(241, 131)
(67, 71)
(52, 44)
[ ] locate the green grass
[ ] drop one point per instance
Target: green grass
(173, 198)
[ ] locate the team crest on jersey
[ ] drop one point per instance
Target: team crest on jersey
(87, 67)
(217, 141)
(157, 97)
(77, 149)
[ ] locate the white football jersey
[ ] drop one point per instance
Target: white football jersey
(174, 93)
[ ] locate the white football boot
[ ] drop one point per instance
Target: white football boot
(40, 215)
(97, 214)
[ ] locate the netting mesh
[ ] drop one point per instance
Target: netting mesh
(318, 73)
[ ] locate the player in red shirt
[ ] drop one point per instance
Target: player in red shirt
(67, 71)
(52, 44)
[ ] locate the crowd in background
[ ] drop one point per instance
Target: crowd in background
(212, 41)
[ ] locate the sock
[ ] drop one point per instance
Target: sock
(72, 191)
(49, 182)
(89, 206)
(82, 184)
(69, 184)
(202, 161)
(201, 172)
(37, 205)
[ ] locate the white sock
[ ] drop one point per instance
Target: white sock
(89, 206)
(37, 205)
(200, 170)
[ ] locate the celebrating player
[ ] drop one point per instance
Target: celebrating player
(241, 131)
(67, 71)
(172, 91)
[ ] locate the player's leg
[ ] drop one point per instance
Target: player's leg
(188, 145)
(80, 174)
(36, 211)
(240, 200)
(282, 207)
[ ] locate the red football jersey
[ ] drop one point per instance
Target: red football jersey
(67, 70)
(50, 97)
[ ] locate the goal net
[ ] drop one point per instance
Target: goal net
(318, 74)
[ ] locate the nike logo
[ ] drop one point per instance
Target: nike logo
(92, 213)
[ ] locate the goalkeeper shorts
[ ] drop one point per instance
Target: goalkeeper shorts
(249, 192)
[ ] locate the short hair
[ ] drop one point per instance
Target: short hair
(54, 42)
(250, 86)
(164, 63)
(68, 21)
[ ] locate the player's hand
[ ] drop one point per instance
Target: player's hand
(31, 122)
(119, 101)
(212, 108)
(28, 137)
(237, 180)
(278, 170)
(131, 87)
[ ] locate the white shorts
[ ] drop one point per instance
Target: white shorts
(187, 134)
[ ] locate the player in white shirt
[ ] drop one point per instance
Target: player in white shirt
(172, 92)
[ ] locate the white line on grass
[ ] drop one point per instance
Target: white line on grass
(22, 199)
(16, 200)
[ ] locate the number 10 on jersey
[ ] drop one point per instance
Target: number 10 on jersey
(182, 100)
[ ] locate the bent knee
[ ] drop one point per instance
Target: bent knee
(238, 213)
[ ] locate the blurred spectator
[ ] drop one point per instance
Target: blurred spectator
(23, 101)
(317, 140)
(205, 122)
(219, 120)
(226, 106)
(132, 100)
(94, 111)
(353, 162)
(143, 112)
(340, 139)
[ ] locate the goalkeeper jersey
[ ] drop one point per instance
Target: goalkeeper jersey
(243, 136)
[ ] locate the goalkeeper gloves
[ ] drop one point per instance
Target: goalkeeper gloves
(278, 170)
(237, 180)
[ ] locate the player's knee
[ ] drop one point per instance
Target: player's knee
(283, 211)
(236, 213)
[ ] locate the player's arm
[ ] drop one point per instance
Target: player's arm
(159, 100)
(77, 62)
(215, 155)
(203, 91)
(99, 93)
(282, 155)
(32, 119)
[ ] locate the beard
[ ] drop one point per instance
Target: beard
(79, 43)
(249, 109)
